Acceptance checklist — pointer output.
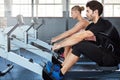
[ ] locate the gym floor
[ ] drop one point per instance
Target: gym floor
(20, 73)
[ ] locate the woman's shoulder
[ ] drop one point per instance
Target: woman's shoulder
(84, 22)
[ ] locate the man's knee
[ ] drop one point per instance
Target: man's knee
(78, 48)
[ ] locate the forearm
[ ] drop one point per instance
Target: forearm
(70, 32)
(62, 36)
(70, 41)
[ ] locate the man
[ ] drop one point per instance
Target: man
(93, 49)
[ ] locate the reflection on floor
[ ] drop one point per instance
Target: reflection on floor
(19, 73)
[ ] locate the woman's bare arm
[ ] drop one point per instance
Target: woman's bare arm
(76, 28)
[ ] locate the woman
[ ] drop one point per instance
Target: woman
(79, 26)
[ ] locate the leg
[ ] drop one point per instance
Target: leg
(66, 51)
(69, 62)
(93, 52)
(67, 57)
(57, 71)
(90, 50)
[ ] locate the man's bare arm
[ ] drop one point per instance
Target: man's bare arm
(74, 39)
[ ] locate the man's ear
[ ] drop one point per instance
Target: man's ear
(96, 11)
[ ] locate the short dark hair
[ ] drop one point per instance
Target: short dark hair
(95, 5)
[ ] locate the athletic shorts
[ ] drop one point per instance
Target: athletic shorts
(90, 50)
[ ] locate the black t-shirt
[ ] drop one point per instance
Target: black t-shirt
(104, 26)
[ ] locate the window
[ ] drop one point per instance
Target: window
(111, 8)
(116, 11)
(108, 10)
(112, 1)
(22, 7)
(42, 8)
(2, 8)
(80, 3)
(49, 8)
(54, 8)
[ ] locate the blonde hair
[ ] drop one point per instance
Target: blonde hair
(78, 8)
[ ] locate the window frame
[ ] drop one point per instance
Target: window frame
(48, 4)
(104, 4)
(113, 12)
(35, 11)
(20, 9)
(3, 9)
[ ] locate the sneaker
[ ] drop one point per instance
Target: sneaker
(56, 67)
(48, 66)
(54, 70)
(56, 74)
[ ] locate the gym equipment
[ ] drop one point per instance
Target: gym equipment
(22, 41)
(35, 40)
(7, 53)
(4, 72)
(86, 70)
(19, 38)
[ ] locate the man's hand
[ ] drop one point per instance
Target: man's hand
(56, 46)
(52, 40)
